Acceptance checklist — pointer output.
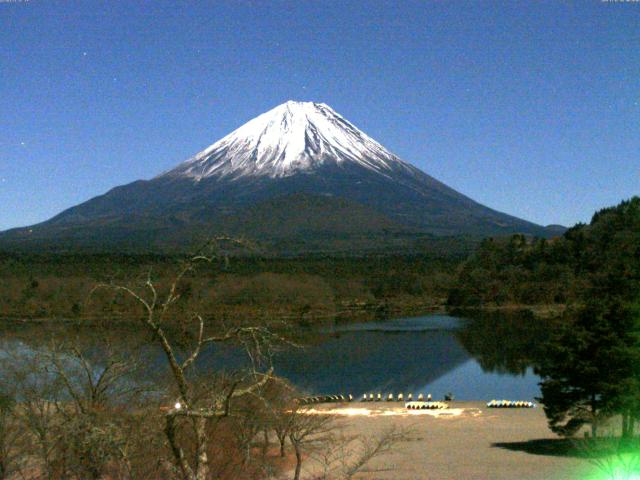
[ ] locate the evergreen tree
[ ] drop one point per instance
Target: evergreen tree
(573, 368)
(591, 367)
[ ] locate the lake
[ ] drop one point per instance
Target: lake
(427, 354)
(475, 359)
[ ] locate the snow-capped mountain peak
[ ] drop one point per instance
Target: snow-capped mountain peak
(291, 138)
(299, 178)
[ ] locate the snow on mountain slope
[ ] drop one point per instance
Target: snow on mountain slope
(296, 174)
(291, 138)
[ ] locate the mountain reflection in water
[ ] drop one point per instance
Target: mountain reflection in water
(475, 359)
(482, 358)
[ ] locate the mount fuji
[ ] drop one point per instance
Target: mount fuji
(299, 176)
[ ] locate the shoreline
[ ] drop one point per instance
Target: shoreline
(471, 442)
(455, 408)
(364, 315)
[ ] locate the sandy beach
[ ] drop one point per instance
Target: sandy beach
(466, 441)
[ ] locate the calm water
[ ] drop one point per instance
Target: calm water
(484, 358)
(421, 355)
(475, 359)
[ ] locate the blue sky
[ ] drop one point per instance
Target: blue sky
(532, 108)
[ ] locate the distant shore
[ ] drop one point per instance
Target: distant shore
(364, 314)
(539, 311)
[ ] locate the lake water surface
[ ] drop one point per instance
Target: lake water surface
(475, 359)
(428, 354)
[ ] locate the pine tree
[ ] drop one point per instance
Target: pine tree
(591, 367)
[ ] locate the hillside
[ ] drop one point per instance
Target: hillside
(524, 271)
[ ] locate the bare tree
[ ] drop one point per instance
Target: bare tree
(360, 451)
(35, 414)
(332, 454)
(306, 432)
(247, 421)
(78, 403)
(190, 408)
(280, 406)
(10, 436)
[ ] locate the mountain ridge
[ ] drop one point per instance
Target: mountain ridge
(295, 151)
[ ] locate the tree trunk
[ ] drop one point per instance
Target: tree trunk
(594, 418)
(282, 440)
(628, 425)
(95, 473)
(296, 447)
(247, 454)
(178, 373)
(202, 469)
(178, 454)
(265, 445)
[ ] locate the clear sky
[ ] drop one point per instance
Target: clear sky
(531, 108)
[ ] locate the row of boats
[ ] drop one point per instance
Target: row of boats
(366, 397)
(369, 397)
(325, 399)
(510, 404)
(426, 405)
(421, 403)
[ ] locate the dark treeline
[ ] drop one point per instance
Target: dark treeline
(513, 271)
(591, 367)
(590, 364)
(517, 271)
(58, 286)
(525, 271)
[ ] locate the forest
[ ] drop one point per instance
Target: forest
(507, 272)
(302, 289)
(522, 270)
(590, 364)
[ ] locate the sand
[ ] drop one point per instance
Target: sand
(466, 441)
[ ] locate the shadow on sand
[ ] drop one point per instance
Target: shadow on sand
(577, 448)
(554, 447)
